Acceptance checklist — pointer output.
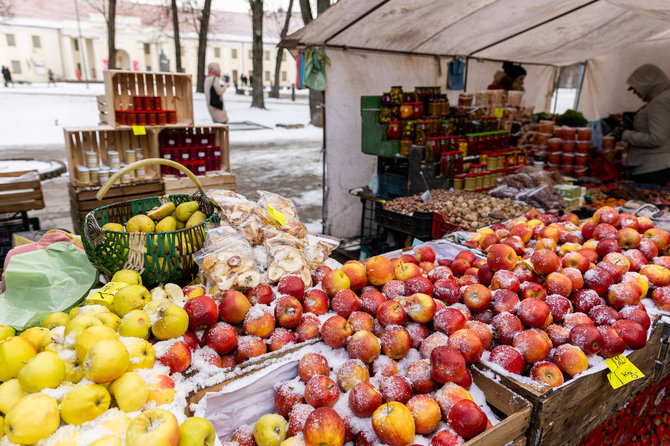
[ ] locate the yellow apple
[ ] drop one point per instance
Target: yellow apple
(34, 418)
(105, 361)
(135, 324)
(154, 427)
(161, 390)
(14, 353)
(127, 276)
(270, 430)
(81, 323)
(2, 426)
(73, 313)
(90, 337)
(132, 297)
(84, 403)
(109, 319)
(115, 422)
(54, 341)
(142, 354)
(74, 369)
(6, 332)
(590, 244)
(35, 335)
(196, 431)
(172, 322)
(130, 392)
(44, 371)
(10, 394)
(109, 440)
(293, 441)
(54, 320)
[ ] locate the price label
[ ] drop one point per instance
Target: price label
(139, 130)
(280, 217)
(498, 112)
(622, 371)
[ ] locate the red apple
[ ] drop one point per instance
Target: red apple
(321, 391)
(572, 319)
(177, 357)
(532, 290)
(598, 280)
(459, 266)
(287, 395)
(468, 344)
(291, 285)
(312, 364)
(485, 275)
(351, 373)
(249, 347)
(360, 320)
(505, 300)
(612, 344)
(288, 311)
(434, 340)
(606, 214)
(558, 335)
(508, 358)
(570, 359)
(533, 313)
(644, 224)
(575, 260)
(426, 413)
(534, 346)
(315, 302)
(384, 366)
(234, 305)
(447, 291)
(504, 279)
(425, 254)
(515, 243)
(308, 328)
(335, 331)
(660, 237)
(244, 436)
(638, 314)
(335, 281)
(365, 346)
(545, 262)
(505, 327)
(260, 295)
(477, 297)
(657, 275)
(191, 339)
(587, 229)
(467, 419)
(395, 341)
(584, 300)
(391, 312)
(319, 273)
(418, 374)
(559, 306)
(391, 290)
(547, 373)
(324, 427)
(259, 321)
(409, 258)
(446, 364)
(371, 299)
(355, 271)
(202, 312)
(345, 302)
(586, 337)
(404, 271)
(590, 254)
(648, 248)
(661, 297)
(620, 295)
(221, 337)
(558, 283)
(449, 320)
(393, 424)
(419, 284)
(632, 333)
(501, 257)
(440, 273)
(628, 238)
(607, 245)
(379, 270)
(364, 399)
(395, 388)
(281, 337)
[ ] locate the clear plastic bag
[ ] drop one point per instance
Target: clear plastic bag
(286, 256)
(281, 212)
(318, 249)
(243, 214)
(229, 263)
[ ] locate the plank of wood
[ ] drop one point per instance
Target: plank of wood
(20, 185)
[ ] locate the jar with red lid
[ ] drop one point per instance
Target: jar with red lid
(459, 181)
(417, 108)
(141, 118)
(161, 119)
(432, 153)
(151, 117)
(217, 157)
(148, 102)
(408, 96)
(157, 103)
(471, 182)
(138, 103)
(406, 110)
(120, 117)
(171, 116)
(393, 131)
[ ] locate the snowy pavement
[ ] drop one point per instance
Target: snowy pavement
(286, 161)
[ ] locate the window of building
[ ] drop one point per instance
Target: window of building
(233, 53)
(37, 42)
(283, 76)
(147, 48)
(267, 75)
(267, 55)
(217, 52)
(11, 41)
(76, 44)
(16, 67)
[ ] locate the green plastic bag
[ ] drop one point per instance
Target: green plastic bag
(315, 69)
(43, 281)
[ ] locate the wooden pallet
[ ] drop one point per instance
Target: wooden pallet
(82, 200)
(565, 415)
(20, 196)
(212, 180)
(103, 139)
(221, 138)
(175, 89)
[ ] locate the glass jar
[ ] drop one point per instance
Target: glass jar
(421, 132)
(393, 131)
(386, 99)
(471, 182)
(385, 115)
(417, 108)
(464, 100)
(479, 180)
(459, 182)
(406, 110)
(396, 95)
(408, 96)
(433, 105)
(432, 153)
(444, 105)
(408, 126)
(405, 144)
(447, 165)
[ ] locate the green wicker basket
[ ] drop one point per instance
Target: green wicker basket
(159, 257)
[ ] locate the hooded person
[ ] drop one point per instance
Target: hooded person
(511, 77)
(649, 140)
(214, 94)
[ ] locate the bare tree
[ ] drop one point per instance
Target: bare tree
(6, 8)
(257, 99)
(175, 31)
(202, 44)
(280, 51)
(315, 97)
(108, 10)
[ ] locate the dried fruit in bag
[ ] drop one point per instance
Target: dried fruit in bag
(229, 263)
(281, 212)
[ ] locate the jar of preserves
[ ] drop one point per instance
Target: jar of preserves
(433, 105)
(417, 109)
(459, 182)
(385, 115)
(471, 182)
(458, 162)
(479, 180)
(408, 127)
(406, 110)
(464, 100)
(386, 99)
(396, 95)
(432, 153)
(444, 105)
(447, 165)
(393, 130)
(408, 96)
(421, 132)
(405, 144)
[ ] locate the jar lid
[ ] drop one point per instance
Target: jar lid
(406, 103)
(394, 122)
(460, 176)
(83, 168)
(471, 175)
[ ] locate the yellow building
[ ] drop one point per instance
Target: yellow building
(46, 35)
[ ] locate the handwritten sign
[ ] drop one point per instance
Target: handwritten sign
(622, 371)
(139, 130)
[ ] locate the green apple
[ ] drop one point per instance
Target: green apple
(34, 418)
(196, 431)
(81, 323)
(84, 403)
(44, 371)
(74, 368)
(54, 320)
(130, 392)
(6, 332)
(109, 440)
(127, 276)
(135, 324)
(142, 354)
(132, 297)
(14, 354)
(35, 335)
(270, 430)
(90, 337)
(172, 322)
(105, 361)
(109, 319)
(153, 427)
(10, 394)
(54, 341)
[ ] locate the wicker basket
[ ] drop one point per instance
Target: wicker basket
(159, 257)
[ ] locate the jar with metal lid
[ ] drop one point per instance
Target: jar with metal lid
(113, 158)
(406, 110)
(488, 179)
(83, 174)
(103, 175)
(396, 95)
(471, 182)
(444, 105)
(91, 159)
(459, 182)
(479, 180)
(421, 132)
(130, 156)
(405, 144)
(432, 153)
(433, 105)
(93, 172)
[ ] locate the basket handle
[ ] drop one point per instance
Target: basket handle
(137, 164)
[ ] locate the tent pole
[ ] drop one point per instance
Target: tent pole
(557, 77)
(582, 72)
(465, 76)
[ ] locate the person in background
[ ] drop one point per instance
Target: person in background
(7, 76)
(214, 94)
(511, 77)
(51, 78)
(243, 78)
(649, 138)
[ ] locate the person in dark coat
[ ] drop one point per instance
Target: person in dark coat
(7, 76)
(243, 78)
(511, 77)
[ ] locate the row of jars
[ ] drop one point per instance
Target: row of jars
(428, 126)
(481, 181)
(397, 96)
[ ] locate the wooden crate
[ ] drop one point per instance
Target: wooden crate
(566, 415)
(663, 360)
(103, 139)
(212, 180)
(20, 196)
(82, 199)
(220, 132)
(175, 89)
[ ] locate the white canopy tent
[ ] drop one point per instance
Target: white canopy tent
(374, 44)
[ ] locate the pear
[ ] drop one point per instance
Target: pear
(130, 298)
(84, 403)
(44, 371)
(91, 336)
(127, 276)
(180, 225)
(54, 320)
(10, 394)
(195, 219)
(185, 210)
(113, 227)
(135, 324)
(34, 418)
(130, 392)
(140, 223)
(162, 211)
(167, 224)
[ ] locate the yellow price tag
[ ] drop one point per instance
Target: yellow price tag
(622, 371)
(139, 130)
(498, 112)
(280, 217)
